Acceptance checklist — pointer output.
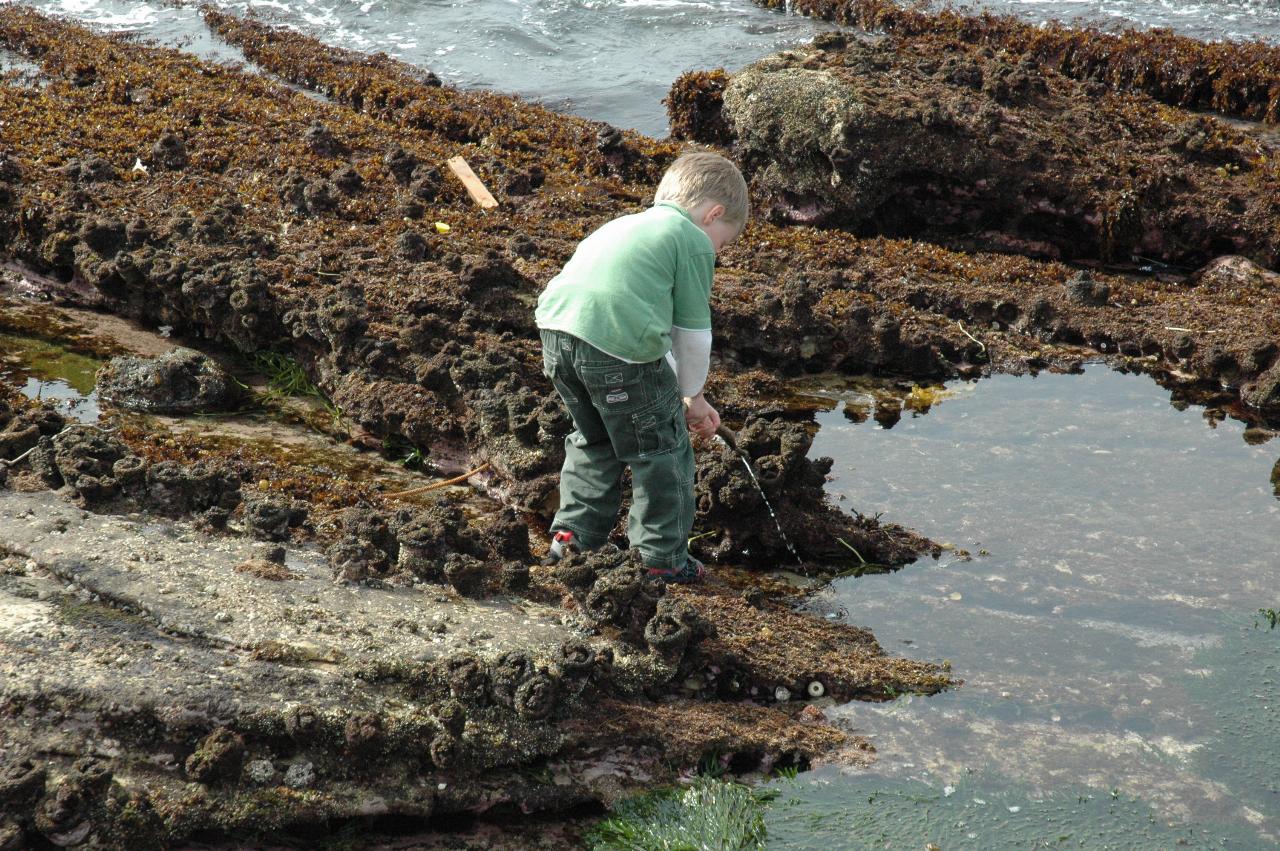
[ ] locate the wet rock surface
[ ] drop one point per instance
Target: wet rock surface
(975, 148)
(182, 381)
(204, 683)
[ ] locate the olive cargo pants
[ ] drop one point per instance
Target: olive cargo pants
(624, 414)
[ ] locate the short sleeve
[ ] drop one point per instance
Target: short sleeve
(691, 298)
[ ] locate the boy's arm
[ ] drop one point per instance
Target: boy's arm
(692, 353)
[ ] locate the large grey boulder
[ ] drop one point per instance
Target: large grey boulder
(181, 381)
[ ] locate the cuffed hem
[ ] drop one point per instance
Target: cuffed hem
(663, 562)
(584, 540)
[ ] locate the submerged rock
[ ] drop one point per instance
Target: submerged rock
(182, 381)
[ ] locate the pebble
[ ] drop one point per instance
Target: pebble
(260, 771)
(300, 775)
(222, 617)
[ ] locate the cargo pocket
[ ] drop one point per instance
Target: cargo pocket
(656, 431)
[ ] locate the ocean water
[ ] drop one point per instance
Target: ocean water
(611, 60)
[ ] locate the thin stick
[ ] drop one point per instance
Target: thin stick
(851, 549)
(960, 325)
(436, 486)
(13, 462)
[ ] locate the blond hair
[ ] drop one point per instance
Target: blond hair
(703, 176)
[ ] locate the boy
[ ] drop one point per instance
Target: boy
(626, 336)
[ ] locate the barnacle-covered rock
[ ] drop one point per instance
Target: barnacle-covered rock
(219, 757)
(169, 152)
(82, 459)
(982, 150)
(466, 677)
(1228, 77)
(623, 596)
(22, 781)
(64, 816)
(509, 672)
(514, 577)
(730, 502)
(536, 696)
(354, 559)
(674, 626)
(363, 733)
(303, 723)
(577, 659)
(175, 489)
(22, 426)
(465, 573)
(446, 750)
(270, 518)
(451, 714)
(181, 381)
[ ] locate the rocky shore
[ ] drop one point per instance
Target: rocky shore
(205, 640)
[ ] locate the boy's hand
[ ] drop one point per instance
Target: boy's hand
(702, 419)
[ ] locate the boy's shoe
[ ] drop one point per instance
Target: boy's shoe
(561, 542)
(693, 571)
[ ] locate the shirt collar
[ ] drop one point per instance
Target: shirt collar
(674, 206)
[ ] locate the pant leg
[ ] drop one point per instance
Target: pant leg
(590, 479)
(640, 408)
(662, 493)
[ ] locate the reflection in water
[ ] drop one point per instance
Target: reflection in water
(47, 371)
(1130, 549)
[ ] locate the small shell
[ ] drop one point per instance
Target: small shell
(782, 694)
(816, 689)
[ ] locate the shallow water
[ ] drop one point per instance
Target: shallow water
(1116, 668)
(46, 370)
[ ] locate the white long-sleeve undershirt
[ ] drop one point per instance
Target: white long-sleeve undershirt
(690, 358)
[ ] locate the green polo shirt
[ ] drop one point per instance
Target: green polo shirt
(630, 281)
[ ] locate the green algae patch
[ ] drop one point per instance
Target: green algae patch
(709, 813)
(81, 613)
(46, 360)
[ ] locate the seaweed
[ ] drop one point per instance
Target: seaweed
(1234, 78)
